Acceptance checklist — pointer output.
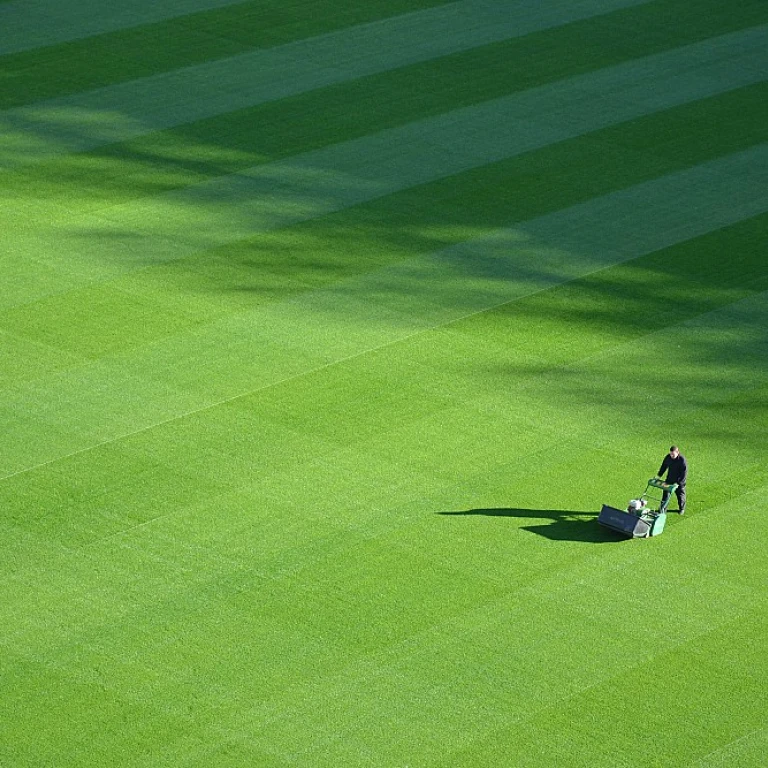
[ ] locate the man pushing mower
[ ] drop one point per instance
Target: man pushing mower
(676, 467)
(642, 519)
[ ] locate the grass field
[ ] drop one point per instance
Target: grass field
(325, 331)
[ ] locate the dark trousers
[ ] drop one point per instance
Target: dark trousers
(679, 492)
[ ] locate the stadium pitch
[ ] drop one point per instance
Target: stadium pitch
(325, 330)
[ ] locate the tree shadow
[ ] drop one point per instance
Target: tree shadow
(564, 525)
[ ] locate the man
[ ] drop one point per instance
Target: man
(676, 467)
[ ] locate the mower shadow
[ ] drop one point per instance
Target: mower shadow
(564, 525)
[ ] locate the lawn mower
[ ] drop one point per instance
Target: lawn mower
(643, 517)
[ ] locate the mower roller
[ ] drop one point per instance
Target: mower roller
(640, 520)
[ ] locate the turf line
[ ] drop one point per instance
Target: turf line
(728, 747)
(561, 168)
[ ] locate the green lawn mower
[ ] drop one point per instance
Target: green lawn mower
(644, 517)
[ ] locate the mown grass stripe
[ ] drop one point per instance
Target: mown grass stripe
(229, 142)
(148, 49)
(705, 661)
(298, 337)
(534, 255)
(280, 194)
(73, 256)
(118, 113)
(157, 301)
(26, 24)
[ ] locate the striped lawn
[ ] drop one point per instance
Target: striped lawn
(325, 331)
(139, 26)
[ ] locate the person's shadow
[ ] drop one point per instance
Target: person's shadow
(563, 525)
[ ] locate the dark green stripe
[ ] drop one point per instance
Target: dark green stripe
(230, 142)
(445, 212)
(668, 140)
(351, 110)
(195, 39)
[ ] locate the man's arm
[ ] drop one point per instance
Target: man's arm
(664, 465)
(684, 473)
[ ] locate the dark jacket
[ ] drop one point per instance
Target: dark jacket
(676, 469)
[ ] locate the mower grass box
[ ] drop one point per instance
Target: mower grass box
(631, 525)
(640, 521)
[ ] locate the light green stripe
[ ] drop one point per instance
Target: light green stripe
(259, 349)
(333, 178)
(28, 24)
(280, 194)
(555, 248)
(121, 112)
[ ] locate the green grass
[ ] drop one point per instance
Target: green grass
(306, 472)
(142, 51)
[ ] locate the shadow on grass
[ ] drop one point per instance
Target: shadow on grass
(564, 525)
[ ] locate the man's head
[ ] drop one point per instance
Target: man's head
(674, 451)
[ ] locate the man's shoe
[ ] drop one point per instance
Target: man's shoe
(681, 511)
